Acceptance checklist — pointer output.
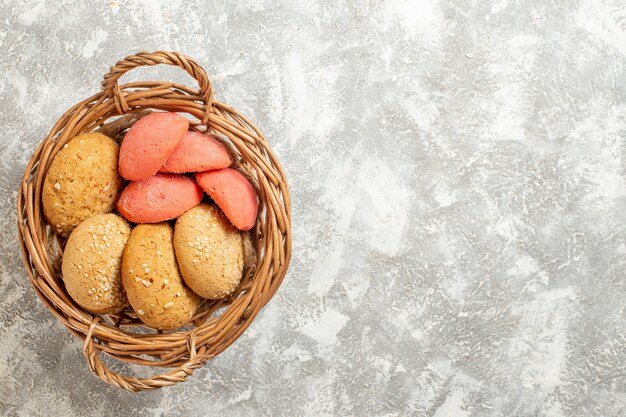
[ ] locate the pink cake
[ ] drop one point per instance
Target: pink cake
(149, 143)
(233, 193)
(158, 198)
(197, 152)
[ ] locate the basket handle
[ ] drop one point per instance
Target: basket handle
(132, 384)
(110, 82)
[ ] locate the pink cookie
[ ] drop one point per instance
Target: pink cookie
(158, 198)
(148, 144)
(197, 152)
(232, 192)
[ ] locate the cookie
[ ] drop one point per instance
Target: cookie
(233, 193)
(92, 262)
(149, 143)
(197, 152)
(158, 198)
(209, 250)
(82, 181)
(153, 284)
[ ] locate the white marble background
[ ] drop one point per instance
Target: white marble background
(457, 171)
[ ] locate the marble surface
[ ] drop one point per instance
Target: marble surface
(457, 171)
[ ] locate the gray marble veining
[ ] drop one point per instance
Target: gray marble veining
(457, 170)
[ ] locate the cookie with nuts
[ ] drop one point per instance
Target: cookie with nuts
(150, 276)
(92, 263)
(82, 181)
(209, 251)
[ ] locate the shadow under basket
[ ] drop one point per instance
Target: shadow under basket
(217, 324)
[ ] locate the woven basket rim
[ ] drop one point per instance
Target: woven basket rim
(210, 333)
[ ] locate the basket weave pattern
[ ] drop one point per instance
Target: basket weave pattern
(122, 336)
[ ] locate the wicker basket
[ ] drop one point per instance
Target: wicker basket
(217, 323)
